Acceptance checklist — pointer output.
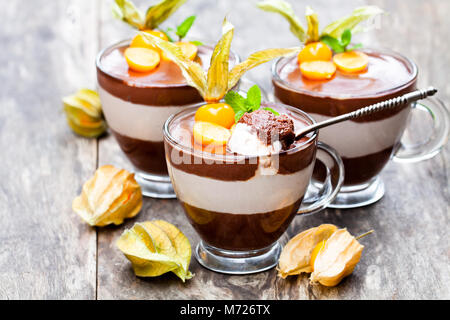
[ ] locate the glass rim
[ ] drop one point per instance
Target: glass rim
(276, 78)
(233, 157)
(125, 42)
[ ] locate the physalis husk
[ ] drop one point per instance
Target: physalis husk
(214, 84)
(110, 197)
(335, 260)
(296, 255)
(155, 248)
(84, 113)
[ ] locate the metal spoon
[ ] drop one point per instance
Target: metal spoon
(384, 105)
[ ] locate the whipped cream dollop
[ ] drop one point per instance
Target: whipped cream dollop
(244, 140)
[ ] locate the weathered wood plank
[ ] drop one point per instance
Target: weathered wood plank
(407, 257)
(47, 252)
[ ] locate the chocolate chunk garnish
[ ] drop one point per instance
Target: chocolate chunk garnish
(271, 128)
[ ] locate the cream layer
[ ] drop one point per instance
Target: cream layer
(356, 139)
(262, 193)
(137, 121)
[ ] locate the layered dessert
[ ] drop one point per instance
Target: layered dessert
(365, 144)
(332, 76)
(136, 104)
(241, 184)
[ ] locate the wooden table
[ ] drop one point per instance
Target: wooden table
(48, 50)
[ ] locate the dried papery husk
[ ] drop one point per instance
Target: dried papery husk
(110, 197)
(155, 248)
(126, 11)
(337, 259)
(296, 255)
(84, 113)
(334, 29)
(160, 12)
(215, 84)
(217, 80)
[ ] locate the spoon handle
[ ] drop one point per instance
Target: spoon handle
(384, 105)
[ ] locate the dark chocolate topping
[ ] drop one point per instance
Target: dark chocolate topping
(270, 127)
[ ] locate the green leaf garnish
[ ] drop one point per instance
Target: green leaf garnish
(340, 45)
(126, 11)
(243, 105)
(273, 111)
(185, 26)
(334, 30)
(254, 98)
(196, 42)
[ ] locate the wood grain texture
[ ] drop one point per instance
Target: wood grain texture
(48, 253)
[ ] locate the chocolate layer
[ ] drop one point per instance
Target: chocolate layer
(147, 156)
(359, 170)
(241, 232)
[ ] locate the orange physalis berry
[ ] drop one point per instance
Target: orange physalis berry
(140, 42)
(141, 59)
(315, 51)
(351, 61)
(219, 113)
(315, 252)
(210, 134)
(318, 70)
(189, 50)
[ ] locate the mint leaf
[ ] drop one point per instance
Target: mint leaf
(185, 26)
(197, 43)
(236, 101)
(167, 33)
(254, 98)
(271, 110)
(333, 43)
(238, 115)
(346, 38)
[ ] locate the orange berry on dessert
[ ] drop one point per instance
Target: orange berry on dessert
(315, 51)
(351, 61)
(140, 42)
(189, 50)
(142, 59)
(210, 134)
(318, 70)
(218, 113)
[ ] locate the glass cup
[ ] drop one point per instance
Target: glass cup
(238, 205)
(136, 107)
(367, 144)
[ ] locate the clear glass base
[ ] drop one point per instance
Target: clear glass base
(359, 196)
(237, 262)
(153, 186)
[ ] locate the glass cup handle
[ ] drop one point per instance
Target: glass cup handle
(317, 201)
(431, 147)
